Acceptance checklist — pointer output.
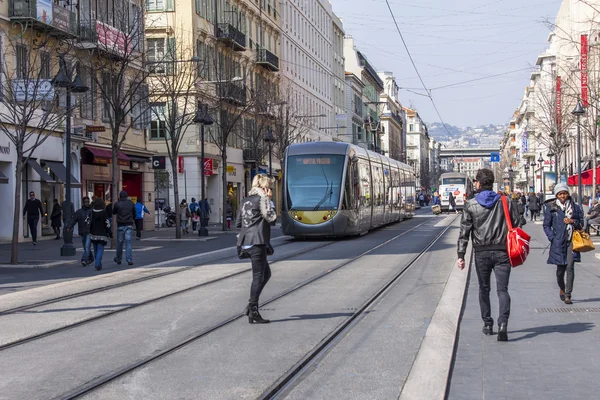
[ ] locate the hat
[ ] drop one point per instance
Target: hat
(560, 187)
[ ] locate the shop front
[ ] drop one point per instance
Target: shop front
(97, 173)
(235, 182)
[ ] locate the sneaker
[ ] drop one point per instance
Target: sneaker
(34, 244)
(99, 268)
(117, 261)
(84, 264)
(129, 262)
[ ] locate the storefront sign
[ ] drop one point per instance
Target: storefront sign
(108, 160)
(158, 162)
(112, 38)
(208, 166)
(36, 90)
(95, 128)
(60, 18)
(230, 169)
(44, 11)
(5, 149)
(180, 165)
(98, 173)
(584, 72)
(135, 165)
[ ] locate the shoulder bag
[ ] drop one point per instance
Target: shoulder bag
(517, 240)
(582, 242)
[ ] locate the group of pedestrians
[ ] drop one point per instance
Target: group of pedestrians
(484, 222)
(198, 212)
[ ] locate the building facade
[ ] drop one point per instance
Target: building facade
(417, 147)
(393, 119)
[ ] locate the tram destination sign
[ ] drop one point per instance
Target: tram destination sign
(320, 160)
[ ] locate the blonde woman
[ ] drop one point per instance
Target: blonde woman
(255, 217)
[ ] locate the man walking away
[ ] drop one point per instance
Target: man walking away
(81, 218)
(33, 209)
(140, 209)
(483, 220)
(534, 206)
(124, 209)
(55, 217)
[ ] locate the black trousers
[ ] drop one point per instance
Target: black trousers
(485, 262)
(32, 223)
(139, 225)
(261, 272)
(569, 268)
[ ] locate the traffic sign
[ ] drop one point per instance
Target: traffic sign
(495, 156)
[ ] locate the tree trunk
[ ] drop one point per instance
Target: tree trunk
(14, 247)
(594, 166)
(114, 193)
(224, 177)
(176, 197)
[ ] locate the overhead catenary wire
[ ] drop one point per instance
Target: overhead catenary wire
(415, 67)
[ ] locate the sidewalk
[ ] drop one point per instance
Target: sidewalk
(552, 352)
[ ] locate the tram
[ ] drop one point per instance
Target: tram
(334, 189)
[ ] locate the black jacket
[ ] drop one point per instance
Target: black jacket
(534, 203)
(33, 208)
(80, 219)
(254, 218)
(124, 209)
(99, 230)
(486, 226)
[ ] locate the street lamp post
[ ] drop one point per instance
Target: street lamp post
(203, 118)
(269, 139)
(526, 168)
(579, 111)
(533, 165)
(63, 80)
(542, 177)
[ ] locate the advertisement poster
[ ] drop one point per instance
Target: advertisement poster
(44, 11)
(549, 181)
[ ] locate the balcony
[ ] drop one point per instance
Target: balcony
(51, 18)
(107, 39)
(231, 35)
(267, 59)
(232, 92)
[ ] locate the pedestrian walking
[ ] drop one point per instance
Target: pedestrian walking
(204, 212)
(520, 208)
(254, 218)
(124, 209)
(194, 209)
(140, 209)
(228, 213)
(534, 206)
(593, 216)
(484, 221)
(55, 217)
(184, 215)
(452, 203)
(99, 230)
(33, 209)
(81, 220)
(562, 216)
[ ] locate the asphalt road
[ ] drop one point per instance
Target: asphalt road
(238, 360)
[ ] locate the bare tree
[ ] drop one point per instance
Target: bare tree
(28, 112)
(116, 65)
(173, 88)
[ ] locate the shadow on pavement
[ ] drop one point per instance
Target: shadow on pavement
(592, 300)
(80, 308)
(574, 327)
(313, 316)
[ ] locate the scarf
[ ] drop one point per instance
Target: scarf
(567, 208)
(266, 210)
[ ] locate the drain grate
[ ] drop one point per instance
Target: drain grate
(567, 310)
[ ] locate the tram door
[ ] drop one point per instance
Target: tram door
(365, 200)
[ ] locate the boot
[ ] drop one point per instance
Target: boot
(254, 316)
(502, 332)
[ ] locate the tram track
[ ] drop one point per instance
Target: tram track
(101, 381)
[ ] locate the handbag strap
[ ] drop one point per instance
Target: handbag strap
(506, 213)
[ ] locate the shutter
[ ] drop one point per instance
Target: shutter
(171, 55)
(169, 5)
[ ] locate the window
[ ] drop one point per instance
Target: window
(87, 104)
(160, 5)
(22, 56)
(161, 53)
(203, 51)
(109, 89)
(158, 121)
(45, 65)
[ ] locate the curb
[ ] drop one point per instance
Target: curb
(429, 376)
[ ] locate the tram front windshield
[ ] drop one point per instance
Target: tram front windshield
(314, 182)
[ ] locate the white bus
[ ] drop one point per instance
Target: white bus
(457, 183)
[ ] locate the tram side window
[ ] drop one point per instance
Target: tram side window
(365, 183)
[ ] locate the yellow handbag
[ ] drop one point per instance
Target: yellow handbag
(582, 242)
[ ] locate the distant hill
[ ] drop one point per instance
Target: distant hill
(479, 136)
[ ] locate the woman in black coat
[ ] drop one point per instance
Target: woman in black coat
(534, 206)
(55, 218)
(561, 218)
(255, 217)
(99, 230)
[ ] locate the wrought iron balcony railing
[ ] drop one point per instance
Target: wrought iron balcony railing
(267, 59)
(55, 20)
(232, 35)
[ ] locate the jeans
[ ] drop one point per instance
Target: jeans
(32, 223)
(570, 271)
(98, 253)
(87, 255)
(139, 224)
(485, 262)
(124, 234)
(261, 272)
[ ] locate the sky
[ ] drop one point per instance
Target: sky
(454, 45)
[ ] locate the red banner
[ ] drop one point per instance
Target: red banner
(584, 70)
(208, 166)
(558, 104)
(180, 167)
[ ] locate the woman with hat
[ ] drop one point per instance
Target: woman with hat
(562, 216)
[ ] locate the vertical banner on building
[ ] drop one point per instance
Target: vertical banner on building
(180, 166)
(558, 104)
(584, 71)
